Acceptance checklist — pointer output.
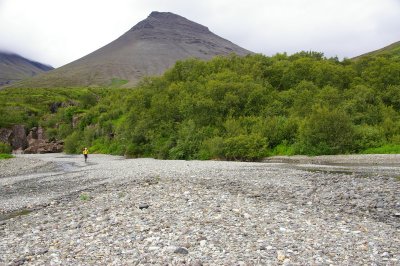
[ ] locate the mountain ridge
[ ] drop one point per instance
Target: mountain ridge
(14, 67)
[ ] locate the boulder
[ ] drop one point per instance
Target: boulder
(43, 146)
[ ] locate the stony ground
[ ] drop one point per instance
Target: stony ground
(57, 210)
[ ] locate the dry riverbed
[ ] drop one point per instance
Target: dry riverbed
(55, 209)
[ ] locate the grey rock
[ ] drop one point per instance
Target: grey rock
(181, 250)
(380, 204)
(19, 262)
(143, 206)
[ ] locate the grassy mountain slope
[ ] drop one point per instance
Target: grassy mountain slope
(392, 51)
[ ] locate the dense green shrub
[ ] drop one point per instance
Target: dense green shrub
(5, 148)
(327, 132)
(367, 136)
(245, 147)
(73, 143)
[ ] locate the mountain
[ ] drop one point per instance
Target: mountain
(392, 51)
(15, 68)
(149, 48)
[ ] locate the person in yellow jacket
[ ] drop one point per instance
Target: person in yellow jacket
(85, 153)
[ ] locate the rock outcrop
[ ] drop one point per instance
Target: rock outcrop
(19, 141)
(33, 142)
(45, 146)
(5, 135)
(39, 144)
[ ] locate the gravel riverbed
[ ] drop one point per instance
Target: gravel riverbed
(55, 209)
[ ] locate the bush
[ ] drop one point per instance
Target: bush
(5, 156)
(245, 147)
(326, 132)
(188, 143)
(385, 149)
(212, 148)
(72, 143)
(283, 149)
(368, 137)
(5, 148)
(132, 151)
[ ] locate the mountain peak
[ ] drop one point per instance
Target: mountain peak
(163, 15)
(168, 20)
(147, 49)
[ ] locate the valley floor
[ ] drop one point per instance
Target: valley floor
(55, 209)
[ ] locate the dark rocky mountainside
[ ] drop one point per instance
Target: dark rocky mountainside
(15, 68)
(147, 49)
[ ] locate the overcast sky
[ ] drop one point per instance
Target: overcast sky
(57, 32)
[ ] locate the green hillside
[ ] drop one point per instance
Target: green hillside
(234, 108)
(15, 68)
(45, 107)
(392, 51)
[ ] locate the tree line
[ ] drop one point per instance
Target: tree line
(241, 108)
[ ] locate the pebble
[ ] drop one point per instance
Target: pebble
(280, 256)
(143, 206)
(181, 250)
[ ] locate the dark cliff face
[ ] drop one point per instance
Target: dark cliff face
(14, 68)
(147, 49)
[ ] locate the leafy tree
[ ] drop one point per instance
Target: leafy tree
(327, 132)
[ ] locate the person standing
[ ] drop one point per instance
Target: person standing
(85, 153)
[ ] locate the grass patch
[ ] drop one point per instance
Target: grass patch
(5, 156)
(84, 197)
(116, 82)
(283, 149)
(385, 149)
